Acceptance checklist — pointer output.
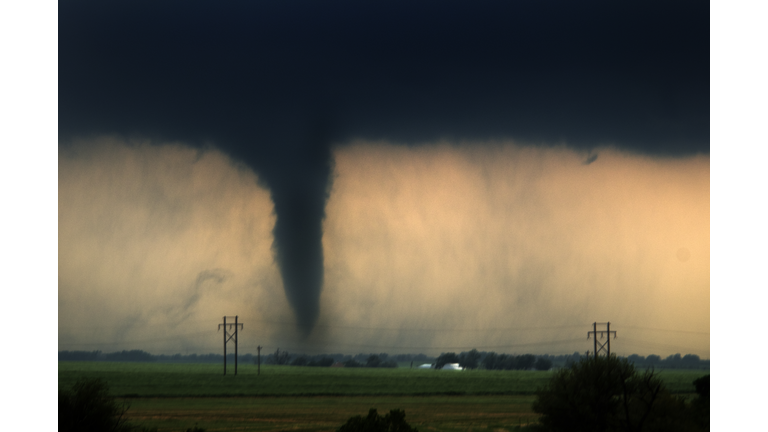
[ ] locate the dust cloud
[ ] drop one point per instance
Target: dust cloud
(427, 248)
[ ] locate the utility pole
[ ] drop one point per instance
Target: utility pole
(258, 360)
(603, 346)
(230, 336)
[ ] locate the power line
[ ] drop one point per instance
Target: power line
(457, 347)
(433, 329)
(401, 329)
(667, 330)
(166, 339)
(656, 345)
(454, 347)
(452, 330)
(182, 335)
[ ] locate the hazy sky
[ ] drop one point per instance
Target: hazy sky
(441, 245)
(391, 177)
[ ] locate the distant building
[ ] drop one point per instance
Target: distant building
(452, 366)
(425, 366)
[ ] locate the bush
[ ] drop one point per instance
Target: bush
(700, 404)
(90, 407)
(392, 422)
(606, 394)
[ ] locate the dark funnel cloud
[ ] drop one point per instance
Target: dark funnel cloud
(276, 84)
(298, 176)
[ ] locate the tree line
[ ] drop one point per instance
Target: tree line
(472, 359)
(360, 360)
(491, 361)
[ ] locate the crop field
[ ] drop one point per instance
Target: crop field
(175, 397)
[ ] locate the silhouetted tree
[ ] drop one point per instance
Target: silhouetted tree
(653, 360)
(690, 361)
(700, 404)
(89, 407)
(130, 356)
(543, 364)
(573, 358)
(469, 360)
(525, 361)
(489, 361)
(279, 358)
(373, 361)
(79, 355)
(392, 422)
(323, 362)
(673, 361)
(388, 364)
(300, 361)
(446, 358)
(606, 394)
(352, 363)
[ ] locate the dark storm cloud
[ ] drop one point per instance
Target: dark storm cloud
(274, 84)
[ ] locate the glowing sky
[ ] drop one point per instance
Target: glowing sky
(440, 247)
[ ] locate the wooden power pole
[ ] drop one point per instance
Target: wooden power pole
(258, 360)
(230, 336)
(606, 346)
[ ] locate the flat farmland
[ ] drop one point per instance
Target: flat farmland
(327, 413)
(175, 397)
(173, 380)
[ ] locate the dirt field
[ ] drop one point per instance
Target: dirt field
(443, 413)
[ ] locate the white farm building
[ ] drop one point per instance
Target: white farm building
(452, 366)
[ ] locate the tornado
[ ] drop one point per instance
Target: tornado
(298, 249)
(297, 173)
(256, 79)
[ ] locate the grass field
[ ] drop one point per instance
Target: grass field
(174, 397)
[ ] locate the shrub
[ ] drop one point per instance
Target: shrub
(90, 407)
(392, 422)
(606, 394)
(700, 404)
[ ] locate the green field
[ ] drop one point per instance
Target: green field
(174, 397)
